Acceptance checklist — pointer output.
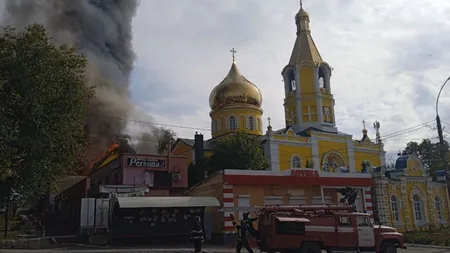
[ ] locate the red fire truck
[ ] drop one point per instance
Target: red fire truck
(313, 228)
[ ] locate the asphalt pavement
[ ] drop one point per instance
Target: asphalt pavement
(210, 249)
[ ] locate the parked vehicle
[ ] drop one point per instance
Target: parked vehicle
(313, 228)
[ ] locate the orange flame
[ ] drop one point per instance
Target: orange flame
(104, 154)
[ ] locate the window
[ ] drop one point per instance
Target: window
(363, 221)
(321, 82)
(251, 123)
(327, 114)
(232, 123)
(292, 81)
(296, 162)
(345, 221)
(395, 209)
(297, 200)
(273, 200)
(417, 204)
(438, 206)
(289, 227)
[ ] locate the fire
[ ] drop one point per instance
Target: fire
(113, 147)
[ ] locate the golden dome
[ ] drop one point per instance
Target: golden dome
(235, 89)
(301, 14)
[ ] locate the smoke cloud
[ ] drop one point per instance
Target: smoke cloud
(102, 30)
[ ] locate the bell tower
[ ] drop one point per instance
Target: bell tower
(308, 101)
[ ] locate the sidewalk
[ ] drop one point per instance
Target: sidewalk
(109, 249)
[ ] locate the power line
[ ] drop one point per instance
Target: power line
(150, 123)
(407, 130)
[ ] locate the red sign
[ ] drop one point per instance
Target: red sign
(304, 173)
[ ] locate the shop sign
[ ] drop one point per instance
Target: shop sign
(145, 163)
(304, 173)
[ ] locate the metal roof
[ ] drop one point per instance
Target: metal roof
(185, 201)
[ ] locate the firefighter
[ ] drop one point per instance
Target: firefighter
(241, 235)
(197, 236)
(250, 227)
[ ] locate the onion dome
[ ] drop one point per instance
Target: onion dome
(235, 89)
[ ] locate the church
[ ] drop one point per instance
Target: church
(311, 138)
(309, 157)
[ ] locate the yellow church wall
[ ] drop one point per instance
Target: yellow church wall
(394, 189)
(242, 113)
(360, 157)
(441, 191)
(338, 147)
(409, 208)
(183, 150)
(287, 152)
(306, 79)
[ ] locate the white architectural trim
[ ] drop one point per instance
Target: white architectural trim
(274, 155)
(315, 153)
(382, 155)
(351, 155)
(327, 139)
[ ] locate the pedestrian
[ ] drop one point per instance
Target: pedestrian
(197, 235)
(251, 227)
(241, 235)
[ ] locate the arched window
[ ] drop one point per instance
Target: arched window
(395, 208)
(418, 210)
(438, 206)
(251, 123)
(296, 164)
(232, 123)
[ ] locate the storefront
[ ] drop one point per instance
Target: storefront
(242, 190)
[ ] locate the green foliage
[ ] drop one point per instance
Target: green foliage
(43, 107)
(237, 151)
(427, 151)
(309, 164)
(165, 137)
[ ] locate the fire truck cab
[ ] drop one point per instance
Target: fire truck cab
(313, 228)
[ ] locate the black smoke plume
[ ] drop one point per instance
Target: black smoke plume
(102, 30)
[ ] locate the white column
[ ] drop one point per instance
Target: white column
(350, 154)
(315, 153)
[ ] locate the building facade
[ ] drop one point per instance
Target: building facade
(408, 199)
(240, 191)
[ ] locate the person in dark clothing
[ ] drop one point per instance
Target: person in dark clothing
(250, 227)
(241, 235)
(197, 235)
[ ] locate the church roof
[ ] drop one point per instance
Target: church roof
(305, 50)
(235, 89)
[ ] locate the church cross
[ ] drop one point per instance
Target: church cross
(233, 53)
(269, 119)
(301, 4)
(364, 124)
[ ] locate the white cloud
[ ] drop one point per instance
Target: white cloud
(389, 58)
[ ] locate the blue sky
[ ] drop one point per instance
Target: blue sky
(389, 59)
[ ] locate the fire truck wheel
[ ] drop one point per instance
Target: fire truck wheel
(388, 247)
(310, 247)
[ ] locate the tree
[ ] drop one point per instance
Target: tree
(166, 137)
(237, 151)
(428, 152)
(43, 107)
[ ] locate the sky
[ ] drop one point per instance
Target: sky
(389, 59)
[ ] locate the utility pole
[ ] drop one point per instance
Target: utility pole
(442, 147)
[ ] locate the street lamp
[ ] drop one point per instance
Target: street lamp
(443, 149)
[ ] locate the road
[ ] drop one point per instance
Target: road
(85, 249)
